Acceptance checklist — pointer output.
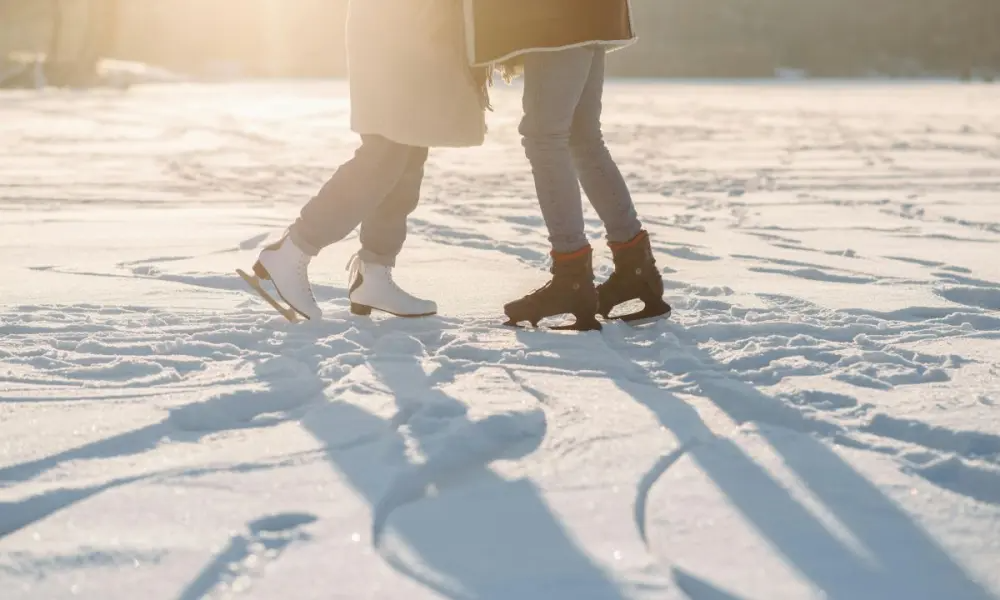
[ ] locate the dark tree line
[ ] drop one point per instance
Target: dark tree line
(77, 65)
(680, 38)
(826, 38)
(69, 60)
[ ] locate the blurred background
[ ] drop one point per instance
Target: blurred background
(64, 40)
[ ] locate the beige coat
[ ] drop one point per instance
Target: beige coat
(409, 78)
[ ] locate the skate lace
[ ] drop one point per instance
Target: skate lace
(354, 268)
(302, 266)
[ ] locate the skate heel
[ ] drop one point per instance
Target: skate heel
(586, 322)
(517, 323)
(582, 323)
(654, 302)
(654, 307)
(586, 316)
(360, 309)
(260, 271)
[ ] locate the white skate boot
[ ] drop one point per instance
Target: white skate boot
(372, 287)
(287, 267)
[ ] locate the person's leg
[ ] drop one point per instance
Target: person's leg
(356, 190)
(601, 178)
(382, 235)
(636, 275)
(553, 85)
(383, 232)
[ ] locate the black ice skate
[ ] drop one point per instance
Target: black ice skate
(571, 291)
(635, 278)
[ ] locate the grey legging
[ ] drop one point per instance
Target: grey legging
(562, 138)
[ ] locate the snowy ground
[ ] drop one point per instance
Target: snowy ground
(820, 419)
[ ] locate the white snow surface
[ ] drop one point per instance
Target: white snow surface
(820, 418)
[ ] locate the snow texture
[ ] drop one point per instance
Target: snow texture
(819, 419)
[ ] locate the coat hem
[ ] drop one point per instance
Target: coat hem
(470, 39)
(612, 45)
(403, 141)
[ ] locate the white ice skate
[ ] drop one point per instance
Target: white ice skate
(287, 267)
(372, 288)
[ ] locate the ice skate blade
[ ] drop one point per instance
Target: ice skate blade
(641, 321)
(579, 325)
(254, 282)
(642, 317)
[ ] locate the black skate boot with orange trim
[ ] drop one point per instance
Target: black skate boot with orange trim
(636, 277)
(571, 291)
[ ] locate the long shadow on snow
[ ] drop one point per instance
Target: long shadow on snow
(488, 538)
(698, 588)
(227, 283)
(241, 409)
(15, 516)
(827, 476)
(909, 564)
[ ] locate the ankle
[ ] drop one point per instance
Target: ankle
(571, 255)
(640, 237)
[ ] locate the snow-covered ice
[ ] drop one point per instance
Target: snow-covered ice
(819, 419)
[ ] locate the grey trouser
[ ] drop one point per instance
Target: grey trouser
(562, 138)
(378, 189)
